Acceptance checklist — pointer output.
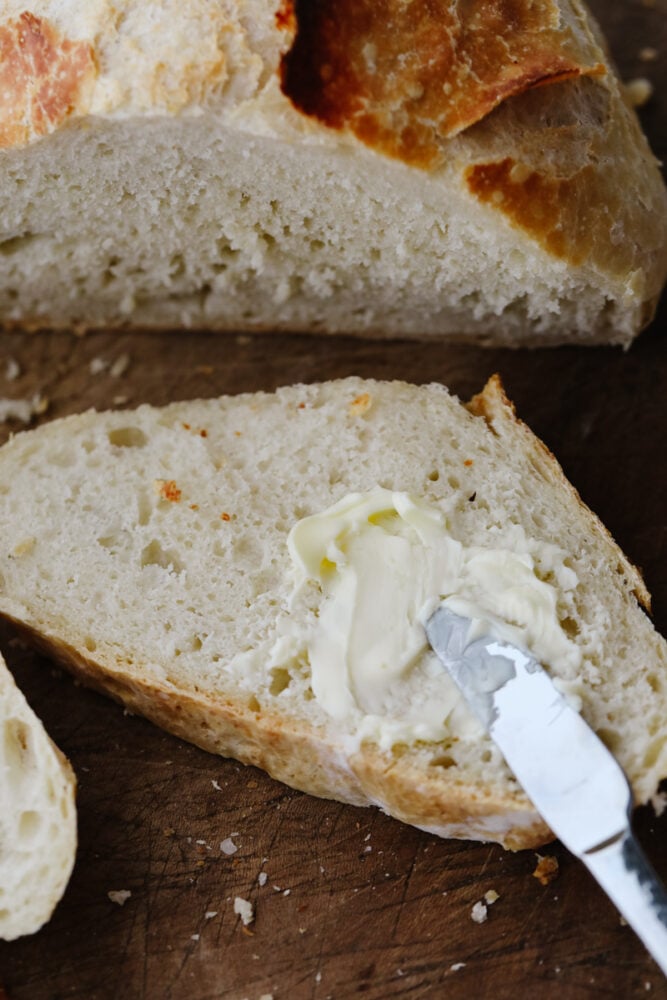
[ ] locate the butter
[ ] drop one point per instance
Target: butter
(383, 561)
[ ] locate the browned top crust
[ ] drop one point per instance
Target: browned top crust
(402, 76)
(43, 77)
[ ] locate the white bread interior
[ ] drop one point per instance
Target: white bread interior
(147, 548)
(37, 816)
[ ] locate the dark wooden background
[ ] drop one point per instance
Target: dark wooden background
(354, 904)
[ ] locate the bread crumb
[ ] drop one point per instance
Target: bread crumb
(97, 366)
(648, 54)
(120, 366)
(23, 410)
(120, 400)
(210, 914)
(13, 370)
(639, 91)
(245, 910)
(194, 937)
(216, 785)
(119, 896)
(491, 896)
(456, 966)
(24, 547)
(262, 878)
(546, 869)
(227, 846)
(479, 913)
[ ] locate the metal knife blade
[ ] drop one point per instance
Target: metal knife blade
(571, 777)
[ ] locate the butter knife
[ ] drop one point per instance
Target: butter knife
(572, 779)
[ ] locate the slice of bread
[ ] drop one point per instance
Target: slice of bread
(377, 169)
(37, 816)
(148, 550)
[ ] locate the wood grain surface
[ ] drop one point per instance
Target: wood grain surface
(351, 903)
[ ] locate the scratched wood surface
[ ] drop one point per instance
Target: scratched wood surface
(348, 902)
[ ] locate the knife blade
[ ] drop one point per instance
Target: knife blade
(570, 776)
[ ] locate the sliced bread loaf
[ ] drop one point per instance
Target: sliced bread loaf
(452, 169)
(37, 816)
(155, 553)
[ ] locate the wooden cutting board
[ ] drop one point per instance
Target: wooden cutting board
(347, 902)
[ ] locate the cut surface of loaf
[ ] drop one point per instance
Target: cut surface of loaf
(382, 180)
(148, 550)
(37, 816)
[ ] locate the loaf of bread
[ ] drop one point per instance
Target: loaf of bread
(383, 169)
(37, 816)
(153, 552)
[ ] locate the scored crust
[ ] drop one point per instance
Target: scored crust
(517, 103)
(403, 77)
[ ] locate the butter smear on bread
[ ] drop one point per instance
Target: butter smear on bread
(383, 560)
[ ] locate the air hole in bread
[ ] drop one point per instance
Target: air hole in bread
(570, 627)
(144, 508)
(29, 824)
(17, 749)
(253, 704)
(154, 554)
(108, 541)
(127, 437)
(434, 476)
(280, 680)
(15, 244)
(90, 644)
(454, 482)
(177, 265)
(444, 760)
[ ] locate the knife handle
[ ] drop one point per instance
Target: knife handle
(625, 874)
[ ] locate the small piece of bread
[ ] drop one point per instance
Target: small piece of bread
(471, 171)
(37, 816)
(148, 551)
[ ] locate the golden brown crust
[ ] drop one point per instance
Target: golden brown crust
(44, 78)
(303, 757)
(499, 412)
(403, 77)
